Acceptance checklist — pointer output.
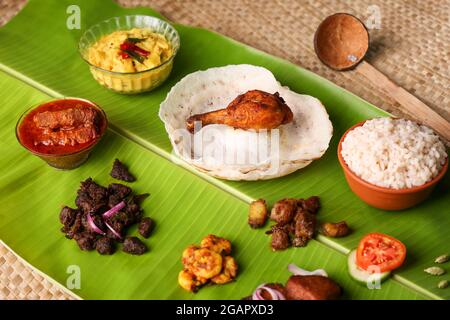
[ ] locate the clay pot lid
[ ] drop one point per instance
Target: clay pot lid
(341, 41)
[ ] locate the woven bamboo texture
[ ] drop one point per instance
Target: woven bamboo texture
(411, 47)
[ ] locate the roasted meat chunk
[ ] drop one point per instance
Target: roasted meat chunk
(312, 204)
(76, 227)
(66, 118)
(296, 219)
(280, 238)
(304, 224)
(117, 192)
(120, 172)
(300, 241)
(91, 196)
(66, 127)
(105, 246)
(97, 219)
(98, 223)
(312, 288)
(85, 240)
(145, 227)
(283, 211)
(67, 217)
(254, 109)
(133, 245)
(67, 138)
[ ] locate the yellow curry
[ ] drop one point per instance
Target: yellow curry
(130, 51)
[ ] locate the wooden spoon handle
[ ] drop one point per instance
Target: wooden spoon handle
(409, 102)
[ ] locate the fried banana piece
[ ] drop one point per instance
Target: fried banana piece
(229, 271)
(187, 257)
(216, 244)
(257, 213)
(335, 230)
(206, 264)
(190, 282)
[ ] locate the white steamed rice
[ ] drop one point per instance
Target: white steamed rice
(394, 153)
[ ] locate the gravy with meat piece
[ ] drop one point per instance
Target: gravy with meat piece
(62, 127)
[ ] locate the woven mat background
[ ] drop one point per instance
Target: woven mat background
(412, 47)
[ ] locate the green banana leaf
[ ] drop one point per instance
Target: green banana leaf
(39, 60)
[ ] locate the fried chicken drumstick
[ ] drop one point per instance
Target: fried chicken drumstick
(254, 109)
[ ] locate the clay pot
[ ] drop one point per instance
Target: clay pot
(386, 198)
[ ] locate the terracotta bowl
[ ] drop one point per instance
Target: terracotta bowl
(386, 198)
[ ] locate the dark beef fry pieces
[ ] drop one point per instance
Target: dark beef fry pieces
(145, 227)
(133, 245)
(85, 240)
(305, 224)
(120, 172)
(91, 196)
(299, 241)
(94, 200)
(298, 218)
(283, 211)
(67, 217)
(98, 221)
(105, 246)
(138, 199)
(280, 238)
(312, 204)
(76, 227)
(117, 192)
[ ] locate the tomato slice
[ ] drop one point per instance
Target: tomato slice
(380, 253)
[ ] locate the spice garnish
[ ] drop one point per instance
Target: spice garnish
(134, 55)
(435, 271)
(130, 49)
(443, 284)
(135, 40)
(442, 259)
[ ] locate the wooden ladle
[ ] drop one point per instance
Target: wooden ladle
(341, 42)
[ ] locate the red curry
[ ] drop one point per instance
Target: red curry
(62, 127)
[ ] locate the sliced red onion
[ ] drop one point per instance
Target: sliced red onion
(113, 211)
(113, 231)
(94, 228)
(302, 272)
(275, 294)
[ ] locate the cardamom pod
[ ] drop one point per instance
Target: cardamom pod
(443, 284)
(435, 271)
(442, 259)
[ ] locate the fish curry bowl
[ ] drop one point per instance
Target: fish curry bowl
(62, 132)
(130, 54)
(403, 180)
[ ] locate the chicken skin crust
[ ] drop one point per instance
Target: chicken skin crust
(254, 109)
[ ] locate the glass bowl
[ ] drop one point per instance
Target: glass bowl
(130, 82)
(70, 160)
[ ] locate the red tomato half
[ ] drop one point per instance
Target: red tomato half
(381, 251)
